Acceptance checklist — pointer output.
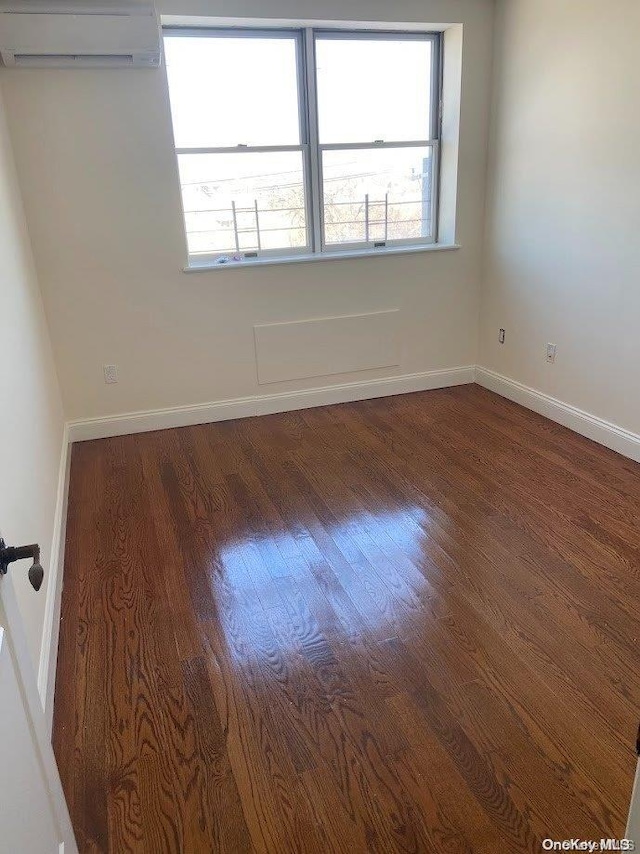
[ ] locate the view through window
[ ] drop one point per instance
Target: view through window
(301, 141)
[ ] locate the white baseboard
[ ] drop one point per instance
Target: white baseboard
(265, 404)
(604, 432)
(51, 628)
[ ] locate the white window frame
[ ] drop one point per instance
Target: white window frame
(311, 148)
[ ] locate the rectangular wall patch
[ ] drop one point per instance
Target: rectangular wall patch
(329, 345)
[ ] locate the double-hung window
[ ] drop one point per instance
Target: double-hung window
(304, 142)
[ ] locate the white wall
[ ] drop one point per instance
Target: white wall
(97, 169)
(31, 426)
(563, 255)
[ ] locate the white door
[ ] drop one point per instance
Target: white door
(33, 814)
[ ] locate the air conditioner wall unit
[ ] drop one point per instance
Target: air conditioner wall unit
(78, 38)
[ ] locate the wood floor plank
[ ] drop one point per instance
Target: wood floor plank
(401, 625)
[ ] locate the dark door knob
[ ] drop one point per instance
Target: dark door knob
(9, 554)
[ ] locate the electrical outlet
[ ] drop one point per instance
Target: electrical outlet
(551, 353)
(501, 336)
(110, 373)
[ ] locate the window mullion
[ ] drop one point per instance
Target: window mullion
(314, 180)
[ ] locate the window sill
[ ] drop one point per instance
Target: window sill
(206, 266)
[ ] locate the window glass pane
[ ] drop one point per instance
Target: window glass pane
(377, 194)
(233, 90)
(267, 190)
(373, 88)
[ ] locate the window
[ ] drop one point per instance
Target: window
(301, 142)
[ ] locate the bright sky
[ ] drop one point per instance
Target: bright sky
(227, 91)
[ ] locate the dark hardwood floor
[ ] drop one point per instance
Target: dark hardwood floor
(408, 624)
